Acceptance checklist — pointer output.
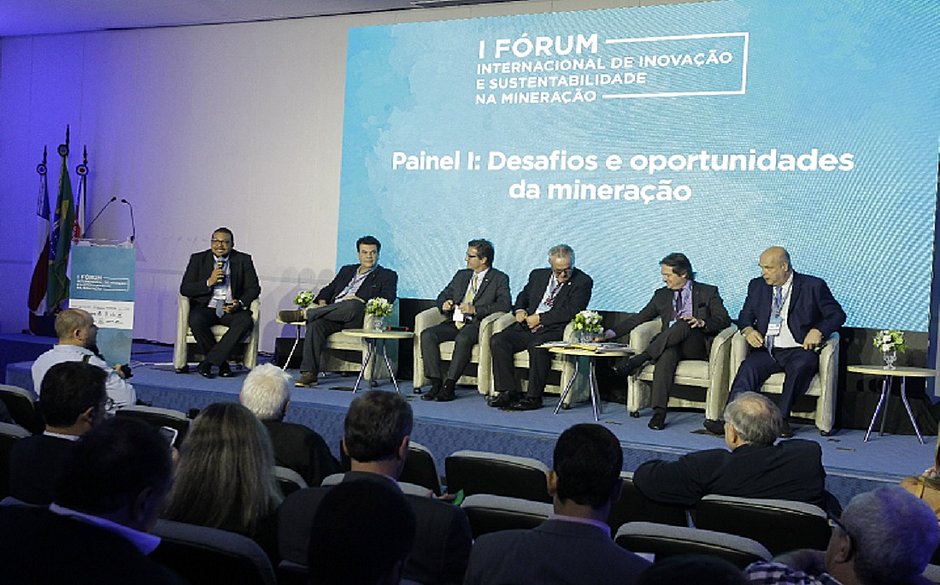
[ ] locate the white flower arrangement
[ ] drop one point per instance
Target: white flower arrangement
(589, 321)
(889, 340)
(304, 299)
(378, 307)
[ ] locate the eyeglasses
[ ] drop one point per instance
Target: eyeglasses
(223, 242)
(472, 256)
(834, 522)
(561, 271)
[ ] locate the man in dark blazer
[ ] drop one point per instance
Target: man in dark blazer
(755, 467)
(550, 300)
(377, 431)
(574, 545)
(341, 304)
(692, 313)
(786, 318)
(221, 284)
(472, 295)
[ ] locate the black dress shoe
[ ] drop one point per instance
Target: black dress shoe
(205, 370)
(715, 427)
(527, 403)
(503, 400)
(658, 422)
(434, 391)
(225, 371)
(786, 432)
(633, 365)
(448, 392)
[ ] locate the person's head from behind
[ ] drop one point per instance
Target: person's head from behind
(693, 568)
(377, 431)
(73, 397)
(586, 468)
(752, 418)
(885, 536)
(361, 534)
(225, 476)
(266, 392)
(120, 470)
(76, 327)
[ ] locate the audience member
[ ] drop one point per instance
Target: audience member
(266, 393)
(96, 533)
(697, 568)
(376, 435)
(574, 545)
(78, 337)
(755, 467)
(361, 535)
(225, 476)
(927, 485)
(885, 537)
(73, 402)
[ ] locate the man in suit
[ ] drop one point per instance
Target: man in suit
(472, 294)
(266, 393)
(753, 466)
(691, 313)
(550, 300)
(786, 318)
(341, 304)
(221, 284)
(574, 545)
(377, 431)
(73, 402)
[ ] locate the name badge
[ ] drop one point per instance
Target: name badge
(458, 314)
(773, 327)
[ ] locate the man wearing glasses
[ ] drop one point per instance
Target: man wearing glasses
(221, 284)
(550, 300)
(473, 293)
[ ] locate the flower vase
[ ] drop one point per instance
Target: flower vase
(378, 323)
(889, 358)
(583, 336)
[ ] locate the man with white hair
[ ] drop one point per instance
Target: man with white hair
(266, 392)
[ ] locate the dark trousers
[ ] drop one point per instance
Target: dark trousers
(517, 337)
(325, 321)
(201, 320)
(798, 365)
(678, 342)
(464, 339)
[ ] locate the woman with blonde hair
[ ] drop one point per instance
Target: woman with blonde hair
(225, 476)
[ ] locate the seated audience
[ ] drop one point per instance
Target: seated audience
(361, 534)
(225, 476)
(755, 467)
(377, 431)
(700, 569)
(574, 545)
(266, 393)
(107, 500)
(927, 485)
(73, 402)
(886, 536)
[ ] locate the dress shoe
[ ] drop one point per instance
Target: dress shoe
(658, 422)
(786, 432)
(306, 380)
(225, 371)
(633, 365)
(448, 392)
(434, 391)
(205, 370)
(292, 316)
(527, 403)
(503, 400)
(715, 427)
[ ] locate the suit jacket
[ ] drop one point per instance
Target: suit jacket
(706, 305)
(381, 283)
(557, 552)
(244, 279)
(811, 306)
(573, 297)
(442, 539)
(492, 294)
(300, 448)
(789, 470)
(35, 465)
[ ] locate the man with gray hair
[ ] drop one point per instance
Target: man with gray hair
(266, 393)
(550, 300)
(885, 536)
(755, 467)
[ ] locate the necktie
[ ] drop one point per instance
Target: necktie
(775, 312)
(677, 306)
(468, 297)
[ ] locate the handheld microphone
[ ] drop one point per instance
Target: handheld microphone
(97, 215)
(133, 224)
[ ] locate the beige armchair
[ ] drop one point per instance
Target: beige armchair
(184, 337)
(480, 354)
(823, 385)
(712, 375)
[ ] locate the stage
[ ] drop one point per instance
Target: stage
(852, 465)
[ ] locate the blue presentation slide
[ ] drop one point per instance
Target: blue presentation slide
(716, 129)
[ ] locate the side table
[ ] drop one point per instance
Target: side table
(586, 350)
(903, 372)
(373, 340)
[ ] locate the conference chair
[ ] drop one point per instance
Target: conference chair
(23, 407)
(633, 506)
(710, 375)
(411, 489)
(479, 356)
(666, 541)
(488, 513)
(480, 472)
(159, 417)
(184, 338)
(288, 480)
(822, 387)
(779, 525)
(9, 435)
(421, 468)
(208, 555)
